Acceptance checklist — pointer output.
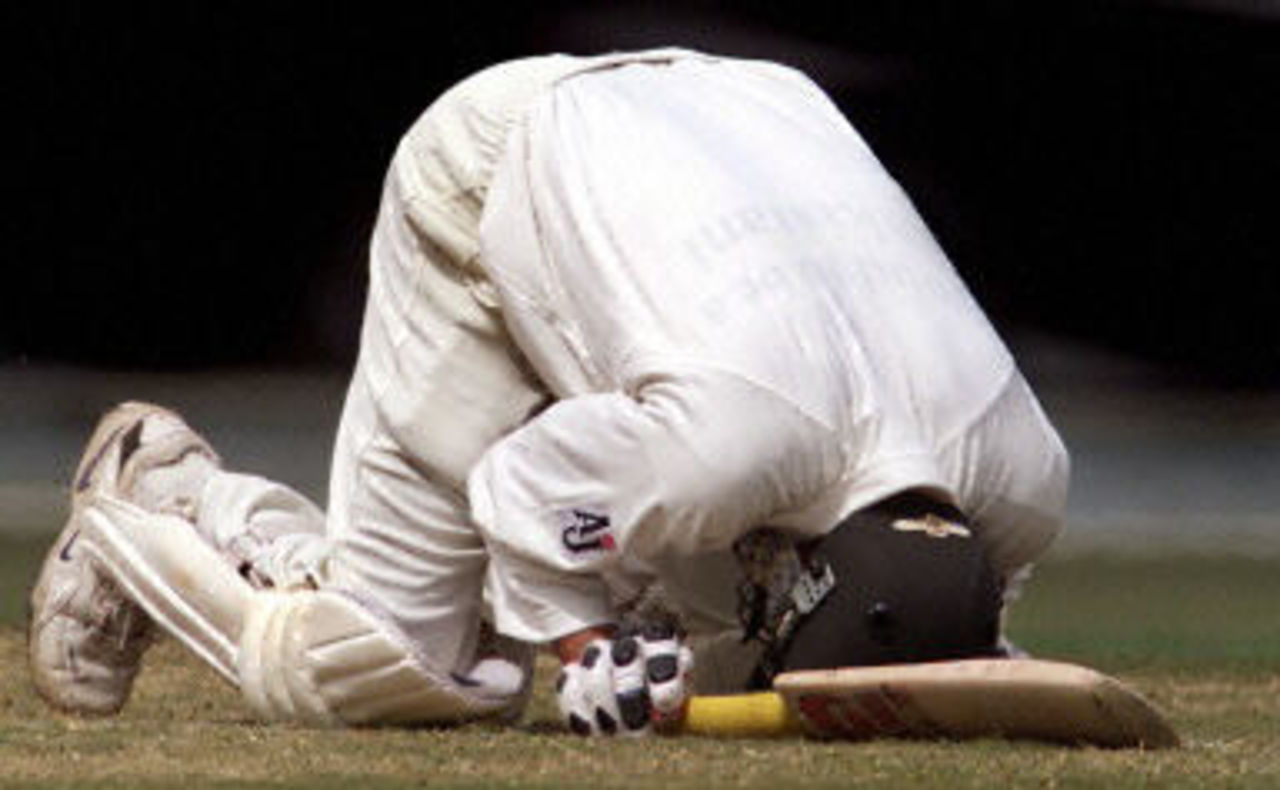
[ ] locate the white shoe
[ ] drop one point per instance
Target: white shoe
(85, 638)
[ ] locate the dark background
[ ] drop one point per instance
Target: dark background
(193, 184)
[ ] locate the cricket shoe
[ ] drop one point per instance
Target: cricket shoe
(85, 637)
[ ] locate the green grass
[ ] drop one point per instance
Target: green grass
(19, 562)
(1199, 636)
(1176, 613)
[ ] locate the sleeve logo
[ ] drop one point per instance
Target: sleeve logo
(585, 529)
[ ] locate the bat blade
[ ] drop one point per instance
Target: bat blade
(1019, 699)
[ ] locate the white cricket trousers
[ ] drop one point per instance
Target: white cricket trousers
(435, 384)
(828, 386)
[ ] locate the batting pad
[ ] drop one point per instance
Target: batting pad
(182, 582)
(1026, 699)
(317, 658)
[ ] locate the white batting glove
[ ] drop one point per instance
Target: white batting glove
(622, 686)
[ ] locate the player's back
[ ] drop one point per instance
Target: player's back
(721, 221)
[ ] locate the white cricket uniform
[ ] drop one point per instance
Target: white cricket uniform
(623, 310)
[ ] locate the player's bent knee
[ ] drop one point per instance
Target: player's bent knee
(322, 658)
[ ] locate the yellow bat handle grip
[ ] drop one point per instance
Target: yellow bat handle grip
(763, 714)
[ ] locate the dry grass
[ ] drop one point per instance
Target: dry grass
(185, 728)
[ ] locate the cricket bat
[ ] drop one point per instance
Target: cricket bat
(1023, 699)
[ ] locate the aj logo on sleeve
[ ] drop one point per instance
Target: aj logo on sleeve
(585, 529)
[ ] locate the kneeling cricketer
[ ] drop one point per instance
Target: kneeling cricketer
(657, 361)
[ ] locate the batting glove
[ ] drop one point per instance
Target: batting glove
(623, 686)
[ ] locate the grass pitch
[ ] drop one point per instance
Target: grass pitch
(1199, 636)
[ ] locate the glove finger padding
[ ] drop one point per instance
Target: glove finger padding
(621, 686)
(585, 692)
(630, 688)
(667, 664)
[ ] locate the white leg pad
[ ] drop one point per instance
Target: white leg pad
(325, 659)
(182, 582)
(320, 658)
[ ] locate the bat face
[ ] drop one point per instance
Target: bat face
(1009, 698)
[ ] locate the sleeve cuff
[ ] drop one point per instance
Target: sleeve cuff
(536, 604)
